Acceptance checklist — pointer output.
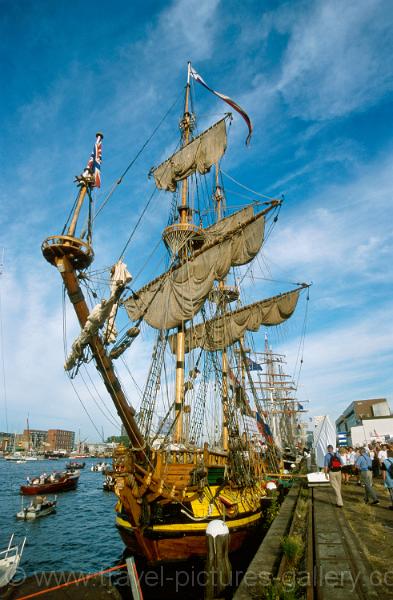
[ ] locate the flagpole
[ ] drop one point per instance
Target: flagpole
(84, 183)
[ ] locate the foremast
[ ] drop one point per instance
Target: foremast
(71, 255)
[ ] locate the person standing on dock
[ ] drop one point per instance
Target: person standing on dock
(387, 474)
(364, 465)
(333, 465)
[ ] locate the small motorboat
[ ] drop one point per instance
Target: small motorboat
(109, 484)
(100, 467)
(73, 465)
(15, 457)
(20, 457)
(55, 482)
(9, 561)
(39, 507)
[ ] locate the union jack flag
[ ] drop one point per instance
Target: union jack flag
(93, 166)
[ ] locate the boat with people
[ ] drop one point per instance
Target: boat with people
(9, 561)
(109, 483)
(40, 506)
(74, 465)
(50, 484)
(100, 467)
(195, 451)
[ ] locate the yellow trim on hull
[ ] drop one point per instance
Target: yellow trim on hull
(181, 527)
(122, 523)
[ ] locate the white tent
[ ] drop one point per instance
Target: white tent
(378, 430)
(324, 435)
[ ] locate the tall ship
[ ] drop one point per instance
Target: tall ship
(276, 391)
(198, 443)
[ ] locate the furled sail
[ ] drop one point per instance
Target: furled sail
(198, 155)
(178, 295)
(119, 276)
(228, 224)
(99, 314)
(221, 332)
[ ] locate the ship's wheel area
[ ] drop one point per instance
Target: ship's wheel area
(78, 252)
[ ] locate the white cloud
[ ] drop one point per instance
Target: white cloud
(339, 233)
(347, 362)
(335, 61)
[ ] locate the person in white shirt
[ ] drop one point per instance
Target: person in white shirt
(344, 455)
(382, 454)
(352, 456)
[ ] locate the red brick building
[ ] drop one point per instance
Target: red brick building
(59, 439)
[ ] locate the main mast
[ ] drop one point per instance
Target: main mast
(184, 218)
(219, 197)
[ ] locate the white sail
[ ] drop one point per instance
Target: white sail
(221, 332)
(178, 295)
(198, 155)
(99, 314)
(119, 276)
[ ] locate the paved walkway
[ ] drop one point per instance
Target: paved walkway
(348, 543)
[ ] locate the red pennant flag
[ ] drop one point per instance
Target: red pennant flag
(226, 99)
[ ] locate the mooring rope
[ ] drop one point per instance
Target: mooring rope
(68, 583)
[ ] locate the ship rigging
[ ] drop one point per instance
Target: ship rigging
(180, 472)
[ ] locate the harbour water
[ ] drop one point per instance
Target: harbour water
(81, 536)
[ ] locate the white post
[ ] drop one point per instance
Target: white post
(134, 580)
(217, 565)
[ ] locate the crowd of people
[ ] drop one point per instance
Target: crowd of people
(360, 465)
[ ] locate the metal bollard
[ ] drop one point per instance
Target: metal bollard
(218, 566)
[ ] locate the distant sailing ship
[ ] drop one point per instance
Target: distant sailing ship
(179, 473)
(276, 391)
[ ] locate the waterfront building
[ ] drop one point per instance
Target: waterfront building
(366, 420)
(101, 448)
(60, 439)
(35, 439)
(6, 441)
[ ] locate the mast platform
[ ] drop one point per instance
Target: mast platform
(178, 235)
(79, 253)
(224, 294)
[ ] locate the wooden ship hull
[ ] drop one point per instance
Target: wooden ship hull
(178, 545)
(162, 514)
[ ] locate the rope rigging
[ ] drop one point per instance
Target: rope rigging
(119, 181)
(241, 466)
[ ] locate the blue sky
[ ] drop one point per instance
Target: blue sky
(316, 78)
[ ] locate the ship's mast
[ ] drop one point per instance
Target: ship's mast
(183, 217)
(70, 254)
(218, 195)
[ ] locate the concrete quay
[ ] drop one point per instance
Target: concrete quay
(347, 551)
